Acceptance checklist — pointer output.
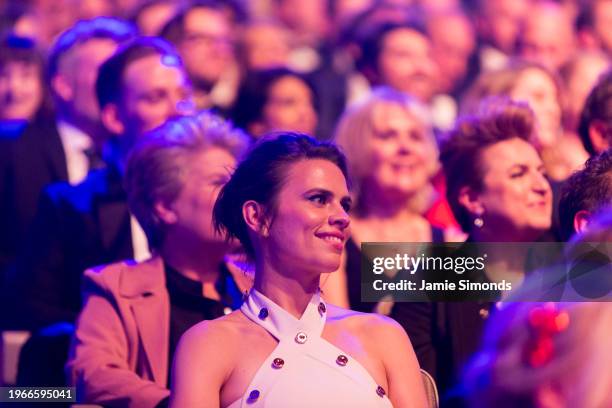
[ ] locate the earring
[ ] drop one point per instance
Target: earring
(478, 222)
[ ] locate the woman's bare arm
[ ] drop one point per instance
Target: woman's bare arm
(201, 366)
(405, 383)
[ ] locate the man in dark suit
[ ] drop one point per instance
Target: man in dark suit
(51, 149)
(138, 88)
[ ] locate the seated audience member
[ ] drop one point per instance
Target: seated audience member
(580, 75)
(586, 193)
(399, 55)
(43, 21)
(498, 23)
(263, 44)
(202, 34)
(453, 42)
(86, 9)
(51, 149)
(141, 86)
(152, 15)
(23, 92)
(593, 25)
(350, 33)
(287, 203)
(547, 36)
(309, 23)
(275, 100)
(392, 154)
(544, 355)
(540, 88)
(595, 127)
(498, 192)
(135, 313)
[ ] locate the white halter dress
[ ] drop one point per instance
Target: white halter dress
(304, 370)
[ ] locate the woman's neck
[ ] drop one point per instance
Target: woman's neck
(285, 290)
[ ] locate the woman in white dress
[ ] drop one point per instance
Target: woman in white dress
(288, 204)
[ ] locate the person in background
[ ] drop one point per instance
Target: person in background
(399, 55)
(497, 189)
(41, 20)
(263, 44)
(76, 227)
(498, 24)
(547, 36)
(140, 87)
(23, 91)
(202, 34)
(453, 41)
(593, 25)
(543, 355)
(152, 15)
(275, 100)
(308, 23)
(540, 88)
(453, 44)
(288, 203)
(58, 147)
(392, 155)
(173, 176)
(586, 193)
(595, 126)
(580, 75)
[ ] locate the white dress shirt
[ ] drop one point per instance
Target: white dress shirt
(75, 142)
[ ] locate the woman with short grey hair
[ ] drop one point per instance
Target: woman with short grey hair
(135, 313)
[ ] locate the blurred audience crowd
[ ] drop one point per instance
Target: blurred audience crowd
(477, 120)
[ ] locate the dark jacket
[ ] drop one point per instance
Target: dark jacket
(76, 227)
(31, 157)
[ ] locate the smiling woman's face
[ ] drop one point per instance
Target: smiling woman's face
(310, 225)
(516, 197)
(403, 154)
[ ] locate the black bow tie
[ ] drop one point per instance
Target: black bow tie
(95, 158)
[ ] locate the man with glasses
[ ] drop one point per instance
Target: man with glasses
(202, 36)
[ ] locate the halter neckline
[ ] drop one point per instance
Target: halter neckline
(280, 323)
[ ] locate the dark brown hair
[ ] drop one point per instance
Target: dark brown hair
(260, 177)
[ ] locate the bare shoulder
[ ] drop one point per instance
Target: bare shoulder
(225, 329)
(373, 324)
(211, 349)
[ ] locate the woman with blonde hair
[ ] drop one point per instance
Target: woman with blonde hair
(135, 312)
(393, 155)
